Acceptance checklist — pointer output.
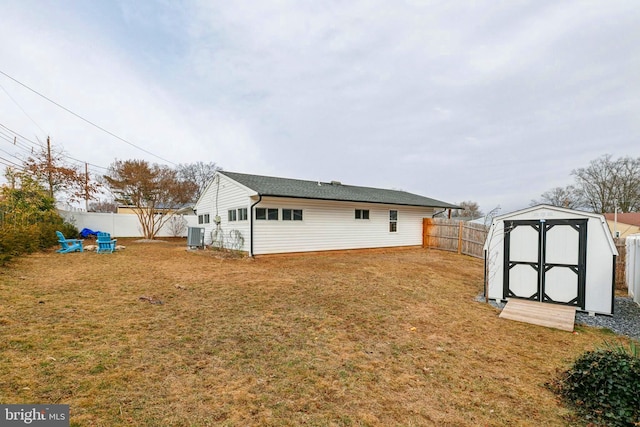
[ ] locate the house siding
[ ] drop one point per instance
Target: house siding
(331, 225)
(222, 195)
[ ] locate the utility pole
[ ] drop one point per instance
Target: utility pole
(86, 187)
(615, 218)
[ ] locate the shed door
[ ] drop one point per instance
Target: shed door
(545, 260)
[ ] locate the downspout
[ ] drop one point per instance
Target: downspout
(251, 225)
(438, 213)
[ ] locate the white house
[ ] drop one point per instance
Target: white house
(267, 215)
(553, 255)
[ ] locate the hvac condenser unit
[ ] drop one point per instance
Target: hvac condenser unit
(195, 237)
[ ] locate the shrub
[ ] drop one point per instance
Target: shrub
(28, 220)
(604, 385)
(15, 241)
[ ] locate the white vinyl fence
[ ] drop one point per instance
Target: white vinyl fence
(120, 225)
(632, 266)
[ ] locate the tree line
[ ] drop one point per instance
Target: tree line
(605, 185)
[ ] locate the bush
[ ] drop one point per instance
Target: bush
(28, 220)
(604, 386)
(15, 241)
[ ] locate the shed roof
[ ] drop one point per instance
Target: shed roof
(599, 218)
(550, 208)
(296, 188)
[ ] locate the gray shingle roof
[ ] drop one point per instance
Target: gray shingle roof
(296, 188)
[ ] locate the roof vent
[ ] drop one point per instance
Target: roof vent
(336, 183)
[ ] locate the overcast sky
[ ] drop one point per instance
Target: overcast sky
(490, 101)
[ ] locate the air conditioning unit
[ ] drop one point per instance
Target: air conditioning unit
(195, 237)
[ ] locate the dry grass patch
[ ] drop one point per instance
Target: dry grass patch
(381, 338)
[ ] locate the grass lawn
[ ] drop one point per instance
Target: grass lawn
(373, 338)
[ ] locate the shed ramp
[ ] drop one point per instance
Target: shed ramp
(539, 313)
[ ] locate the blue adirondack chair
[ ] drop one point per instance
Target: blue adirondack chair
(68, 245)
(105, 243)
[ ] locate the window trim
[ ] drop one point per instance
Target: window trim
(393, 221)
(267, 214)
(292, 214)
(242, 211)
(362, 214)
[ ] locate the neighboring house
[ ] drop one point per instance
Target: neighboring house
(267, 215)
(623, 224)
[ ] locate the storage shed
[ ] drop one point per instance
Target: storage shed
(552, 255)
(632, 266)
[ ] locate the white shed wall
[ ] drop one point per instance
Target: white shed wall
(494, 247)
(600, 269)
(599, 264)
(331, 225)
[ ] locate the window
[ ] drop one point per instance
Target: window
(393, 221)
(362, 213)
(203, 219)
(232, 215)
(242, 214)
(206, 218)
(267, 213)
(200, 219)
(292, 214)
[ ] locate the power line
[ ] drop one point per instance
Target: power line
(20, 107)
(12, 164)
(23, 137)
(16, 142)
(86, 120)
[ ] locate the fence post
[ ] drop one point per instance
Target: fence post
(426, 232)
(460, 237)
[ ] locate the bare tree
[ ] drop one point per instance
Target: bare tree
(606, 183)
(565, 197)
(178, 225)
(104, 206)
(154, 190)
(488, 218)
(199, 173)
(628, 184)
(469, 209)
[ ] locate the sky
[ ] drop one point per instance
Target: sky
(489, 101)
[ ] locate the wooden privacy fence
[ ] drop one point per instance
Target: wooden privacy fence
(621, 280)
(452, 235)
